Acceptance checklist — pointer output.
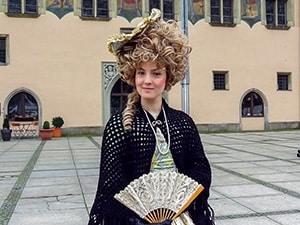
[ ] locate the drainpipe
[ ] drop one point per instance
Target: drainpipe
(185, 101)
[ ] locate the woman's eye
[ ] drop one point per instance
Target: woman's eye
(156, 74)
(140, 73)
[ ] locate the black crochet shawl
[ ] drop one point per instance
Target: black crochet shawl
(126, 156)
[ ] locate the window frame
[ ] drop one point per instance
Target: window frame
(236, 15)
(176, 11)
(288, 81)
(226, 80)
(40, 4)
(95, 10)
(5, 37)
(111, 10)
(289, 15)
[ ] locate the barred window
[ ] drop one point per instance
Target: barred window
(220, 80)
(3, 50)
(283, 82)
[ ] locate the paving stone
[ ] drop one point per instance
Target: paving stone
(255, 178)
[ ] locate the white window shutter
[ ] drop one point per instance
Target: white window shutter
(145, 9)
(3, 6)
(290, 13)
(41, 6)
(237, 12)
(112, 7)
(263, 12)
(207, 11)
(77, 7)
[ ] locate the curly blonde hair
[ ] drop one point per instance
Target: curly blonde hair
(162, 42)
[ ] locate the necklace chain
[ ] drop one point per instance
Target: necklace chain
(168, 131)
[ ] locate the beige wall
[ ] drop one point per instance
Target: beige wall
(59, 60)
(253, 56)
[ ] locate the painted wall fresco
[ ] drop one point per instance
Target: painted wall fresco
(196, 10)
(129, 9)
(59, 7)
(250, 11)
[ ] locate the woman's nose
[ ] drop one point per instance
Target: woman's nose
(148, 79)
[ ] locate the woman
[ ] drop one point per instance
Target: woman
(149, 135)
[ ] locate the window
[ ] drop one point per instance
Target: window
(154, 4)
(23, 107)
(221, 11)
(22, 6)
(3, 49)
(167, 7)
(252, 105)
(95, 8)
(220, 80)
(119, 95)
(283, 82)
(278, 13)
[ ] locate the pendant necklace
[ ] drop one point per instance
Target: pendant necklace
(162, 150)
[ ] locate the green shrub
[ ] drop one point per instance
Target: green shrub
(58, 122)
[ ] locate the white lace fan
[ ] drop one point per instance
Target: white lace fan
(158, 196)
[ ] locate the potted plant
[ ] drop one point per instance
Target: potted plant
(57, 122)
(45, 131)
(6, 131)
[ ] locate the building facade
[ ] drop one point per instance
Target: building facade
(244, 67)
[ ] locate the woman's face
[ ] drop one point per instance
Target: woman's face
(150, 81)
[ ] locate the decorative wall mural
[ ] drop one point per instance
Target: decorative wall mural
(250, 11)
(130, 9)
(196, 10)
(59, 7)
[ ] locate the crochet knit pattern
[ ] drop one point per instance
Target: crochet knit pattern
(126, 156)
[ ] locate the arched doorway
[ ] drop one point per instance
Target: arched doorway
(23, 106)
(253, 111)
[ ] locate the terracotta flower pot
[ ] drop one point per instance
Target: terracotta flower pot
(57, 132)
(46, 134)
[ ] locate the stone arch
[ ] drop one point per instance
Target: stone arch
(19, 90)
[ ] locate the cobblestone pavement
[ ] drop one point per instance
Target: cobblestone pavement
(255, 179)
